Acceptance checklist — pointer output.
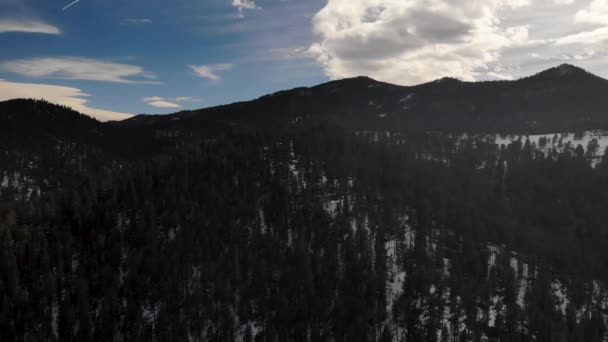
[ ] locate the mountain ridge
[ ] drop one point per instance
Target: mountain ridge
(557, 99)
(564, 97)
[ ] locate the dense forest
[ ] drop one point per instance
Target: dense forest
(317, 231)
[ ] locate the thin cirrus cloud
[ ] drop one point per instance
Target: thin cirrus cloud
(70, 5)
(27, 26)
(76, 68)
(186, 99)
(67, 96)
(135, 21)
(161, 102)
(210, 71)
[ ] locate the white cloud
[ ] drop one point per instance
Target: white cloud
(164, 104)
(210, 71)
(500, 76)
(415, 41)
(242, 5)
(153, 98)
(27, 26)
(135, 21)
(161, 102)
(76, 68)
(595, 13)
(67, 96)
(597, 36)
(410, 41)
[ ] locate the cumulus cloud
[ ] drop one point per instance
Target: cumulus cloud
(210, 71)
(27, 26)
(75, 68)
(67, 96)
(242, 5)
(161, 102)
(410, 41)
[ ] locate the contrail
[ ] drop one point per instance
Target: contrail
(70, 5)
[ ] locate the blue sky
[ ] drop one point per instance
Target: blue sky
(165, 38)
(111, 58)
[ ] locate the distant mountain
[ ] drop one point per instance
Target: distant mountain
(39, 137)
(563, 98)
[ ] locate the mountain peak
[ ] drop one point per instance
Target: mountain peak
(561, 71)
(448, 80)
(566, 69)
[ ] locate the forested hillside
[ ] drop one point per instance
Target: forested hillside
(198, 228)
(560, 99)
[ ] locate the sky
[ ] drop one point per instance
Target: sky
(115, 58)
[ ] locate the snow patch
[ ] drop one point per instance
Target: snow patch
(494, 250)
(561, 294)
(523, 286)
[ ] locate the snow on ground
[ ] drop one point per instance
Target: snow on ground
(446, 268)
(523, 286)
(394, 288)
(410, 234)
(293, 168)
(446, 319)
(263, 227)
(353, 225)
(492, 258)
(22, 184)
(331, 207)
(5, 180)
(480, 314)
(561, 294)
(601, 136)
(514, 265)
(396, 277)
(254, 327)
(407, 98)
(366, 224)
(55, 318)
(493, 312)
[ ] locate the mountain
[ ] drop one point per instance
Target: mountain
(558, 99)
(350, 211)
(46, 147)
